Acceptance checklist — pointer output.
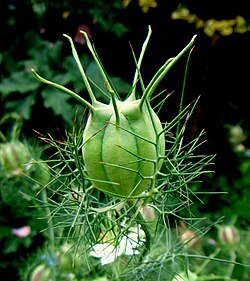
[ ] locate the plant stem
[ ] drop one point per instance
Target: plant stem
(231, 266)
(138, 65)
(183, 91)
(206, 262)
(142, 222)
(62, 88)
(162, 72)
(84, 76)
(51, 234)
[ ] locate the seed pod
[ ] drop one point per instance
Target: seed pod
(40, 273)
(122, 157)
(13, 157)
(228, 235)
(41, 173)
(123, 146)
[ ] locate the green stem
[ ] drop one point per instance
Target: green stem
(183, 91)
(206, 262)
(111, 89)
(231, 266)
(162, 72)
(51, 234)
(62, 88)
(142, 222)
(84, 76)
(16, 127)
(138, 65)
(108, 83)
(116, 110)
(147, 235)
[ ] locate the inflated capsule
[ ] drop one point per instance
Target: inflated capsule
(123, 142)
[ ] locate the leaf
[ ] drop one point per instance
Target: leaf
(23, 106)
(19, 82)
(119, 29)
(4, 231)
(11, 245)
(59, 103)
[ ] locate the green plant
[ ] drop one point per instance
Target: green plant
(20, 178)
(108, 226)
(124, 144)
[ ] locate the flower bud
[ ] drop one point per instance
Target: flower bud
(149, 213)
(40, 273)
(13, 158)
(236, 135)
(188, 237)
(41, 173)
(228, 235)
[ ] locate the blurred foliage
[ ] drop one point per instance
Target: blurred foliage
(211, 27)
(35, 46)
(20, 227)
(237, 204)
(233, 202)
(145, 5)
(20, 90)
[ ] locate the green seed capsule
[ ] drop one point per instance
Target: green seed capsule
(14, 157)
(123, 145)
(122, 159)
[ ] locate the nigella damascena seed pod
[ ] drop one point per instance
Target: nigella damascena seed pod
(122, 156)
(40, 273)
(14, 157)
(228, 235)
(123, 142)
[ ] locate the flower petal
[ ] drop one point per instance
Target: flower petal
(22, 232)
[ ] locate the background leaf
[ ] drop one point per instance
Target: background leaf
(22, 105)
(59, 103)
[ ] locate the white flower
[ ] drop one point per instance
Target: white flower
(106, 252)
(126, 245)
